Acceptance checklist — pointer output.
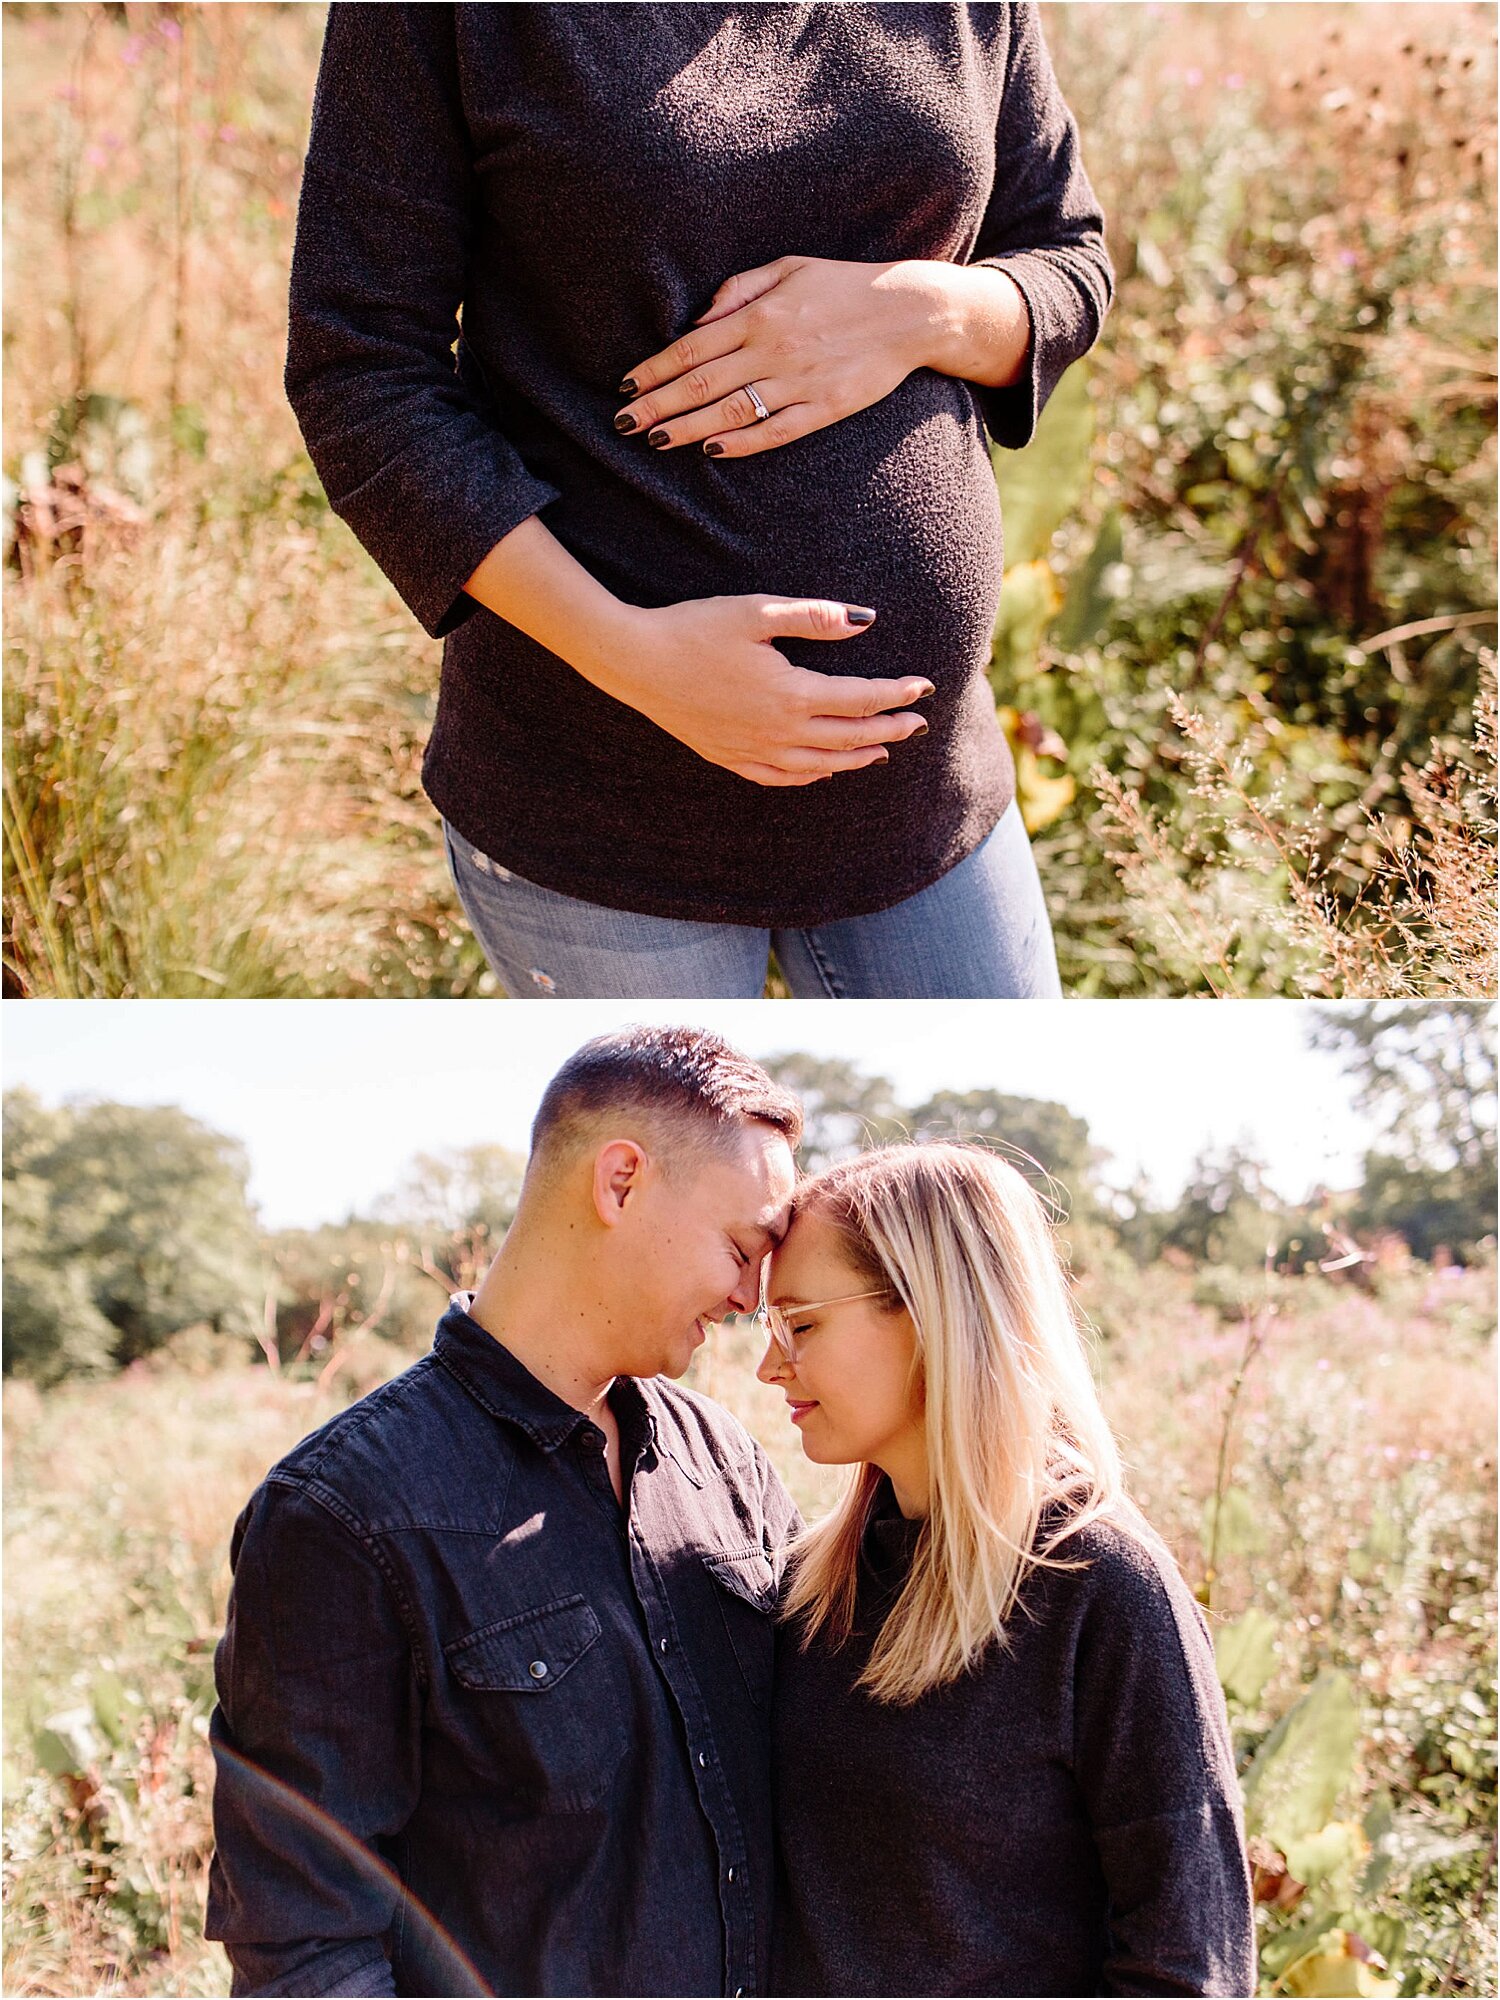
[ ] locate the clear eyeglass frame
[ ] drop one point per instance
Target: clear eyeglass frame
(778, 1324)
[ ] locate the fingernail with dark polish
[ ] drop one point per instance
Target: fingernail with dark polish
(713, 449)
(927, 689)
(858, 615)
(920, 730)
(624, 421)
(627, 387)
(657, 439)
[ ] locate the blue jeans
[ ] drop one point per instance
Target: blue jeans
(980, 932)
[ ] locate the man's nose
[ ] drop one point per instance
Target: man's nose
(746, 1294)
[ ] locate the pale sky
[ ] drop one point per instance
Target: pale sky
(332, 1098)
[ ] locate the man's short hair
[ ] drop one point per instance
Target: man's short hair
(684, 1075)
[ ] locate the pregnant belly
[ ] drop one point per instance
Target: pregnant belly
(894, 507)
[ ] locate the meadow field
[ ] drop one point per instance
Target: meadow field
(1246, 644)
(1349, 1505)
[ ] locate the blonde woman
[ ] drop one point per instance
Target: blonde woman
(1002, 1763)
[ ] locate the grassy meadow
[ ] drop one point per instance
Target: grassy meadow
(1351, 1504)
(1245, 651)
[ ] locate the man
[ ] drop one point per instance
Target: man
(495, 1683)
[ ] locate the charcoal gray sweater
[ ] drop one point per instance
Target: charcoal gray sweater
(580, 180)
(1065, 1819)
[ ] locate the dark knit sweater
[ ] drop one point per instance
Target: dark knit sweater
(1063, 1820)
(579, 180)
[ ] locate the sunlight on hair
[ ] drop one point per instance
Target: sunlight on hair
(1020, 1453)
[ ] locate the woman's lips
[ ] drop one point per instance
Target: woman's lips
(800, 1410)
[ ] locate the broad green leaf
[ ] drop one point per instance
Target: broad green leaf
(1041, 484)
(1283, 1948)
(1090, 601)
(1240, 1530)
(1333, 1849)
(1029, 600)
(1334, 1968)
(1298, 1775)
(109, 1700)
(1245, 1654)
(54, 1754)
(66, 1742)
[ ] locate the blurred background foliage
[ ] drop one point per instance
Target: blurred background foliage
(1247, 629)
(1304, 1392)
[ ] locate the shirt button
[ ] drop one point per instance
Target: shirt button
(702, 1760)
(662, 1643)
(538, 1670)
(729, 1875)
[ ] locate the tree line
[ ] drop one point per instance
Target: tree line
(129, 1229)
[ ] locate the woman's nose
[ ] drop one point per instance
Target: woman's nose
(772, 1364)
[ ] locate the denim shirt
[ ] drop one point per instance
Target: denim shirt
(480, 1728)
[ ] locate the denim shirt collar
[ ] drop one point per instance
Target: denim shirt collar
(506, 1387)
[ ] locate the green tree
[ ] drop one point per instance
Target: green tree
(1426, 1073)
(1045, 1140)
(464, 1188)
(52, 1325)
(1226, 1215)
(844, 1110)
(131, 1222)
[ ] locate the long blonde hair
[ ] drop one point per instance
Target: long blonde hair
(1019, 1452)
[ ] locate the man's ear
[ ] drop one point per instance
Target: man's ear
(619, 1170)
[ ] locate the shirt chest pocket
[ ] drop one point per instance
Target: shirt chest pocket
(746, 1590)
(538, 1707)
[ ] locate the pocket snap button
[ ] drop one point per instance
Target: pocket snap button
(538, 1670)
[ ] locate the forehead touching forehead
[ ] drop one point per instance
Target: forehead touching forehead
(814, 1260)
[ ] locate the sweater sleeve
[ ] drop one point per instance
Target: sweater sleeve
(408, 452)
(1044, 228)
(1152, 1757)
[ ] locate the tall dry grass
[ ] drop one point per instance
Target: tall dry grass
(1426, 921)
(215, 706)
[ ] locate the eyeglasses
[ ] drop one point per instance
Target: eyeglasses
(778, 1325)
